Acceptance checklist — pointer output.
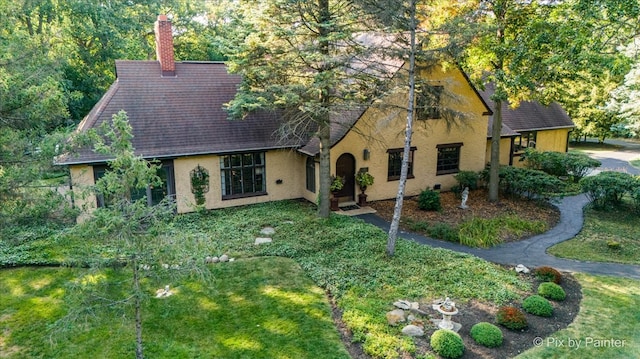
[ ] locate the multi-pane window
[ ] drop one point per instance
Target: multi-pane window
(395, 163)
(154, 193)
(242, 175)
(428, 102)
(525, 140)
(311, 174)
(448, 158)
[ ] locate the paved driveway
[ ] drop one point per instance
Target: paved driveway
(617, 159)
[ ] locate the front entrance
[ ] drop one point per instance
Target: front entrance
(346, 168)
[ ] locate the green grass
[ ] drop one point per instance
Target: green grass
(252, 308)
(341, 254)
(606, 326)
(635, 163)
(479, 232)
(600, 227)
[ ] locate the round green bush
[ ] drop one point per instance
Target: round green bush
(511, 318)
(551, 291)
(429, 200)
(487, 334)
(447, 343)
(537, 305)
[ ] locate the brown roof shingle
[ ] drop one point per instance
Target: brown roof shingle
(179, 115)
(528, 116)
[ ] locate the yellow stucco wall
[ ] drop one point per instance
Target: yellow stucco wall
(81, 182)
(284, 165)
(505, 148)
(552, 140)
(381, 129)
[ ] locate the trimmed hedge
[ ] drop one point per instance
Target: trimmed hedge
(429, 200)
(447, 343)
(487, 334)
(552, 291)
(608, 188)
(537, 305)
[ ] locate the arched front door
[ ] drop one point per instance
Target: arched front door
(346, 168)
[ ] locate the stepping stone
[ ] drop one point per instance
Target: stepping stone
(268, 231)
(262, 240)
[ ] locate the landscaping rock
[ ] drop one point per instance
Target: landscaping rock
(413, 331)
(402, 304)
(522, 269)
(395, 316)
(262, 240)
(224, 258)
(215, 260)
(267, 231)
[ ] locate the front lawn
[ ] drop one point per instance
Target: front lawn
(607, 236)
(250, 308)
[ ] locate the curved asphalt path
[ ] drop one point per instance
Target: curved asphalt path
(532, 252)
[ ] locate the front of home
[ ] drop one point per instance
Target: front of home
(177, 117)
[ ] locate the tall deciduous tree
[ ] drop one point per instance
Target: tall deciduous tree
(524, 47)
(304, 57)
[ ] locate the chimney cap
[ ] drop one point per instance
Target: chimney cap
(162, 17)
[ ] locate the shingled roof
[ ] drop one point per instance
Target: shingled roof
(179, 115)
(528, 116)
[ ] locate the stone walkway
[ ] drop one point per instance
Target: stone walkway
(532, 252)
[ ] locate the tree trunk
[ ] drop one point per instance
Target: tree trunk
(138, 309)
(494, 168)
(397, 211)
(324, 119)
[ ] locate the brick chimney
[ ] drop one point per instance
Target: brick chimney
(164, 46)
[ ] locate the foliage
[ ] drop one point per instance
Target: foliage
(364, 179)
(429, 200)
(551, 291)
(337, 183)
(480, 232)
(511, 318)
(548, 274)
(444, 231)
(576, 165)
(537, 305)
(199, 184)
(526, 182)
(486, 334)
(467, 179)
(447, 343)
(579, 165)
(607, 188)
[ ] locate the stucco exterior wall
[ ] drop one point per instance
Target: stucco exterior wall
(552, 140)
(81, 181)
(284, 165)
(379, 130)
(505, 149)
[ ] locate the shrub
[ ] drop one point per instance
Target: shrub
(526, 182)
(467, 179)
(429, 200)
(613, 245)
(447, 343)
(511, 318)
(480, 232)
(444, 231)
(549, 162)
(551, 291)
(579, 165)
(537, 305)
(486, 334)
(607, 188)
(548, 274)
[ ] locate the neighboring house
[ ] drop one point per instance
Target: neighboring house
(530, 125)
(176, 112)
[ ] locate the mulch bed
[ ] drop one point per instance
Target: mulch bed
(470, 313)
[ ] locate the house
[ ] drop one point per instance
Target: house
(176, 112)
(530, 125)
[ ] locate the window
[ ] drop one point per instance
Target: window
(525, 140)
(395, 163)
(311, 174)
(242, 175)
(448, 158)
(154, 194)
(428, 102)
